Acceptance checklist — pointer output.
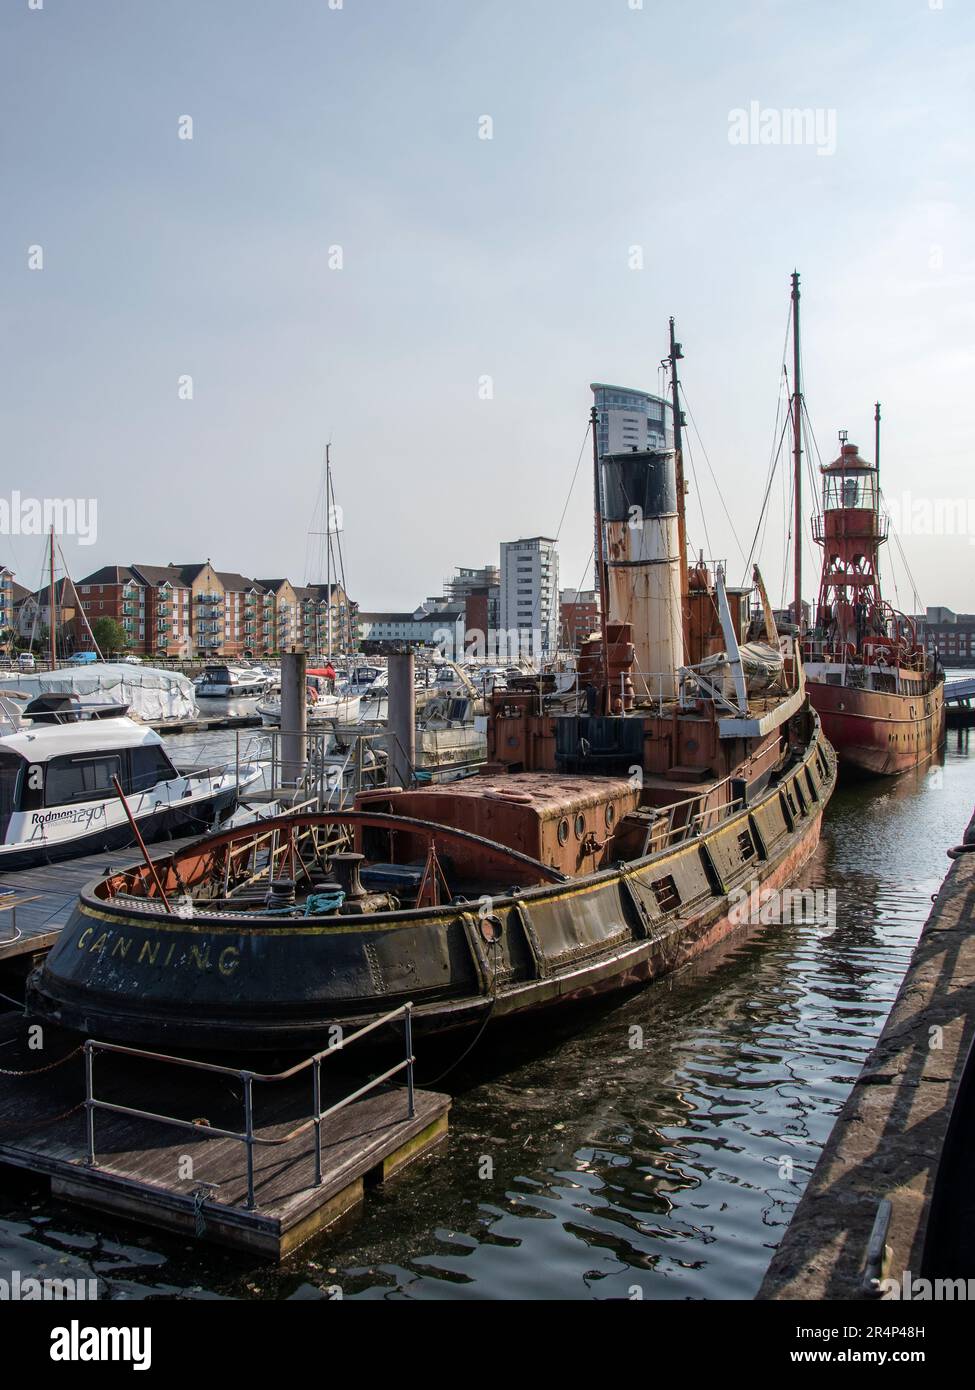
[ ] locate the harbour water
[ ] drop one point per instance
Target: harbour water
(654, 1150)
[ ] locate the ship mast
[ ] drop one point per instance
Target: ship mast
(675, 355)
(797, 450)
(601, 571)
(53, 612)
(876, 446)
(328, 551)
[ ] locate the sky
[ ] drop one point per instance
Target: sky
(339, 254)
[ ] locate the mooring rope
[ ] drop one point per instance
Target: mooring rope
(39, 1071)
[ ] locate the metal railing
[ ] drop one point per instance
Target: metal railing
(665, 829)
(247, 1136)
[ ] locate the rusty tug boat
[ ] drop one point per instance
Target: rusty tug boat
(599, 850)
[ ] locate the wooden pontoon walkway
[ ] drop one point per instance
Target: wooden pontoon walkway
(186, 1180)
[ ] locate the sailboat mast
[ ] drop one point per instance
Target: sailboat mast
(53, 611)
(328, 549)
(601, 570)
(797, 450)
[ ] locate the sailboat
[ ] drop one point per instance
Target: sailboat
(609, 841)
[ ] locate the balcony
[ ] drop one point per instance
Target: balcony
(875, 529)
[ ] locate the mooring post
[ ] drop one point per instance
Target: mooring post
(402, 719)
(408, 1029)
(316, 1082)
(89, 1103)
(294, 718)
(248, 1081)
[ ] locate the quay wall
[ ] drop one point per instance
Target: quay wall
(889, 1139)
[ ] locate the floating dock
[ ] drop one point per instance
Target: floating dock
(891, 1197)
(208, 1151)
(203, 726)
(36, 903)
(960, 703)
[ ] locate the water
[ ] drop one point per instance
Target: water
(583, 1165)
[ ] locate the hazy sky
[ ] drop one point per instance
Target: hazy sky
(466, 258)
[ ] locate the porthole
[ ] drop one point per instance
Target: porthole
(563, 830)
(580, 826)
(610, 816)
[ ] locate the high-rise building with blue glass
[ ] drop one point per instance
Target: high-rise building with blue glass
(631, 420)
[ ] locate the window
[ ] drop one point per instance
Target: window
(10, 767)
(81, 778)
(149, 765)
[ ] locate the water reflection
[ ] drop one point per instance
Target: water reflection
(656, 1148)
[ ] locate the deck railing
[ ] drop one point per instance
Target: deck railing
(247, 1135)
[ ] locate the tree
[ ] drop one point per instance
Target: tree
(109, 635)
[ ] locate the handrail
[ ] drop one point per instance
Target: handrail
(247, 1078)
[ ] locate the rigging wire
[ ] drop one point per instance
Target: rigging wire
(573, 483)
(900, 551)
(777, 437)
(697, 489)
(714, 479)
(773, 466)
(81, 607)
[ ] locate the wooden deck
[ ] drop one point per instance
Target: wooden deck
(184, 1181)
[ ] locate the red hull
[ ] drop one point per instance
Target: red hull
(878, 732)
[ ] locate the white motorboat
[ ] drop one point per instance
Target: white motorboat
(57, 794)
(323, 705)
(223, 682)
(150, 693)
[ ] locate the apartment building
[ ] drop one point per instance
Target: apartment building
(32, 615)
(578, 617)
(530, 593)
(630, 419)
(7, 600)
(435, 623)
(950, 636)
(186, 611)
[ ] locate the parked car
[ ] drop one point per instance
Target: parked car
(82, 658)
(26, 662)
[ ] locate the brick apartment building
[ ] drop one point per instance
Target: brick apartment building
(195, 611)
(950, 635)
(578, 617)
(7, 600)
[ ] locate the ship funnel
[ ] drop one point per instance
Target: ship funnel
(639, 496)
